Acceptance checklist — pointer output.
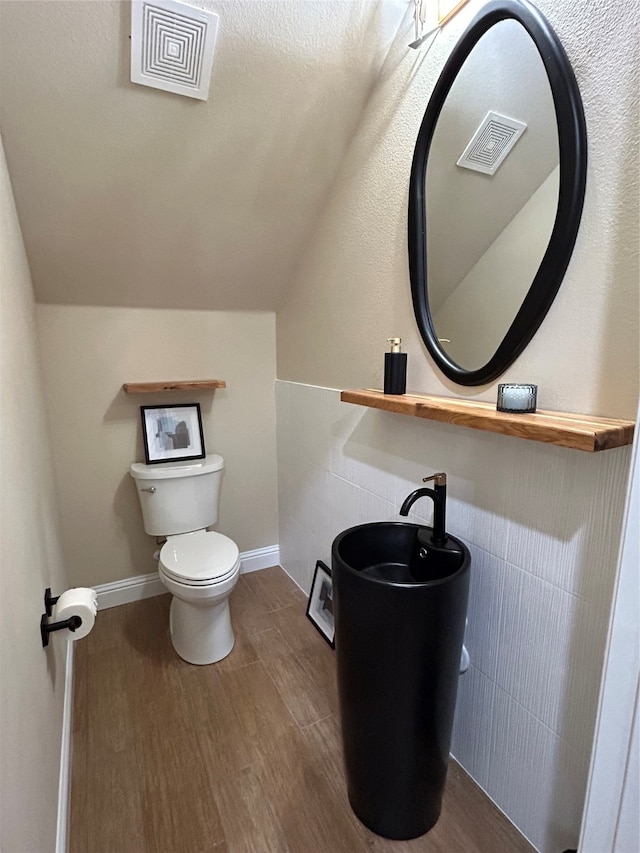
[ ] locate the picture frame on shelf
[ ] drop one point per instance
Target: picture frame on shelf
(172, 433)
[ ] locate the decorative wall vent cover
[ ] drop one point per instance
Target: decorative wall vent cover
(491, 143)
(172, 46)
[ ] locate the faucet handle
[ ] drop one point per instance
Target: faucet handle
(438, 479)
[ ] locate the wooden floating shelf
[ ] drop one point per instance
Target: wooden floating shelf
(579, 432)
(188, 385)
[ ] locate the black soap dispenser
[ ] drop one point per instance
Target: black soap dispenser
(395, 368)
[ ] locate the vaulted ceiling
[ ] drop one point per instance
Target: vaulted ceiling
(131, 196)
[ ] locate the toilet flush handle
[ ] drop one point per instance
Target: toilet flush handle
(151, 489)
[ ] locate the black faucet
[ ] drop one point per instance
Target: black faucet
(439, 496)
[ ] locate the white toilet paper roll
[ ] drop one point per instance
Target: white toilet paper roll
(82, 602)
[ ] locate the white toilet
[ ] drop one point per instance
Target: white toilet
(179, 500)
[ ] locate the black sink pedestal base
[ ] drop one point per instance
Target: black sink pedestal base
(398, 648)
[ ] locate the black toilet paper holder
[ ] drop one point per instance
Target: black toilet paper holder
(46, 627)
(49, 600)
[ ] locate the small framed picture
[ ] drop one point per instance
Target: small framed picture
(172, 433)
(320, 606)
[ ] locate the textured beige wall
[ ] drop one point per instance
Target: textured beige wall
(32, 678)
(87, 354)
(351, 291)
(124, 190)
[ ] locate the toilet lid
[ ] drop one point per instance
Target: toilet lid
(199, 558)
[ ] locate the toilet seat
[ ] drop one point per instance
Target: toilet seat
(203, 558)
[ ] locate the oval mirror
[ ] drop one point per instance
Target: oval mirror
(496, 192)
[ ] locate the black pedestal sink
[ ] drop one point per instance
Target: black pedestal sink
(399, 606)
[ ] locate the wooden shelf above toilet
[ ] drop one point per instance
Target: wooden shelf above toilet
(580, 432)
(184, 385)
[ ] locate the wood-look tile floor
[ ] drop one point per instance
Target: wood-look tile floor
(239, 757)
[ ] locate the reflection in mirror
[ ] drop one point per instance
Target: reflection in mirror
(489, 245)
(487, 233)
(448, 8)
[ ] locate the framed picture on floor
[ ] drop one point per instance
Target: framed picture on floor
(172, 433)
(320, 606)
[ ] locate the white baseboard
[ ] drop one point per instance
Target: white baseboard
(64, 780)
(148, 586)
(128, 590)
(260, 558)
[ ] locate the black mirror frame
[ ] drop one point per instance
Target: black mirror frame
(572, 144)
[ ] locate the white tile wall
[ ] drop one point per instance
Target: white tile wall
(472, 729)
(535, 777)
(543, 526)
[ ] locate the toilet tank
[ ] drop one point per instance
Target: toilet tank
(178, 497)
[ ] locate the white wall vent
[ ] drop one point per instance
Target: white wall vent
(172, 46)
(491, 143)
